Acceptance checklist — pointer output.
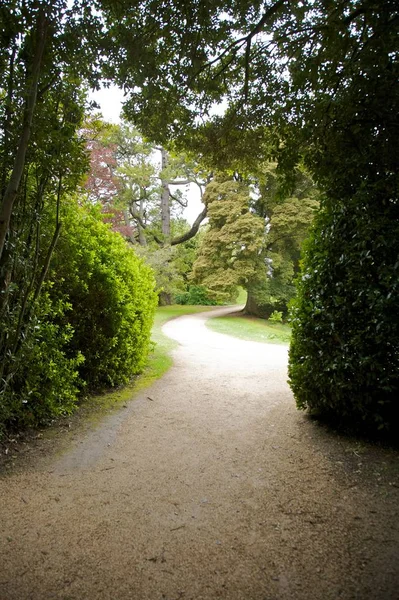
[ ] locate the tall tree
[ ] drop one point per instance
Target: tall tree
(41, 156)
(288, 218)
(139, 188)
(253, 240)
(231, 251)
(140, 183)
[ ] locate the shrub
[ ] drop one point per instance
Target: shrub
(111, 292)
(276, 317)
(46, 381)
(344, 355)
(90, 326)
(196, 295)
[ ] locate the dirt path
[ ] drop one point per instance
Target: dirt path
(209, 485)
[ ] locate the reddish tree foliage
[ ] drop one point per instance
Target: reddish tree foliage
(102, 183)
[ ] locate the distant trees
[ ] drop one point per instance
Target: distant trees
(254, 238)
(139, 186)
(231, 250)
(288, 218)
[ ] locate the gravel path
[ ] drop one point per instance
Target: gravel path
(208, 485)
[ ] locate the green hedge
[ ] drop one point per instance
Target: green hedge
(344, 355)
(111, 292)
(90, 327)
(46, 382)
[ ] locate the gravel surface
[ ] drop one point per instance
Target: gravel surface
(210, 484)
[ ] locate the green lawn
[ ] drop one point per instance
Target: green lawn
(251, 328)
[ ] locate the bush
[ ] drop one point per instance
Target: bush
(276, 317)
(197, 295)
(111, 292)
(89, 328)
(344, 355)
(46, 381)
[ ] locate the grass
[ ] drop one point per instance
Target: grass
(252, 329)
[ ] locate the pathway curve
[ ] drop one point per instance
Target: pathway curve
(209, 485)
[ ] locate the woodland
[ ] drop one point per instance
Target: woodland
(282, 114)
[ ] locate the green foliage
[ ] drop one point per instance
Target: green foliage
(254, 240)
(45, 382)
(344, 358)
(112, 299)
(230, 252)
(171, 264)
(241, 297)
(90, 329)
(276, 317)
(196, 295)
(288, 218)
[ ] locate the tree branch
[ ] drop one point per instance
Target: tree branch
(12, 189)
(237, 44)
(183, 204)
(192, 232)
(140, 221)
(247, 58)
(180, 182)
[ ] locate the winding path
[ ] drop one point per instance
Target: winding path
(208, 485)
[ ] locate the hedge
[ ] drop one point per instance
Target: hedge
(344, 355)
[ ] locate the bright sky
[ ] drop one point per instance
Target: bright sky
(110, 102)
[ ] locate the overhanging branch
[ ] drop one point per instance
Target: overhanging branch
(243, 41)
(192, 232)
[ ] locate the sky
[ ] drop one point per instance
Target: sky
(110, 102)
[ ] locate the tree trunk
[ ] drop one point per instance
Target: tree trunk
(142, 238)
(165, 201)
(126, 218)
(7, 120)
(165, 299)
(12, 188)
(252, 308)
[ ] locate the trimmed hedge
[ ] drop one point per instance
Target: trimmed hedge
(90, 327)
(112, 298)
(344, 355)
